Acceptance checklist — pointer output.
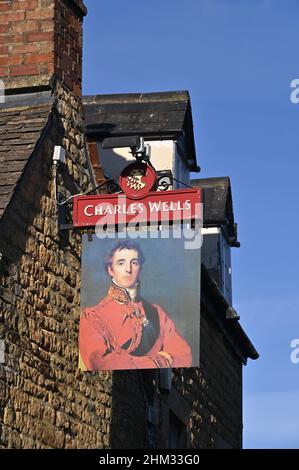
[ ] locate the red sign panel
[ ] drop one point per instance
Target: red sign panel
(157, 206)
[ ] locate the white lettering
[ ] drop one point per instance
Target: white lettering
(87, 213)
(295, 93)
(295, 353)
(130, 461)
(109, 210)
(133, 208)
(134, 225)
(120, 461)
(117, 209)
(98, 210)
(160, 209)
(154, 206)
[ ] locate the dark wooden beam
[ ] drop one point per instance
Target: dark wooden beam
(95, 161)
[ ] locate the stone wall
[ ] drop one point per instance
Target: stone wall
(213, 392)
(45, 401)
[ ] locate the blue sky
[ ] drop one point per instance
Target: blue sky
(237, 59)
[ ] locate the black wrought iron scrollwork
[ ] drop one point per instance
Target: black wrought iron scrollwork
(163, 185)
(112, 187)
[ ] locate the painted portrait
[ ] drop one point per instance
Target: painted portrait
(140, 304)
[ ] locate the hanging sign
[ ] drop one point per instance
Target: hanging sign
(157, 206)
(139, 202)
(140, 289)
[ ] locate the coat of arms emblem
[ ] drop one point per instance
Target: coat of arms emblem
(134, 180)
(137, 180)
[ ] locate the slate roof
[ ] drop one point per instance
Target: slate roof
(225, 317)
(22, 120)
(164, 115)
(218, 211)
(81, 8)
(218, 205)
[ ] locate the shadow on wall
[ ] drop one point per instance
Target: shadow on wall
(112, 162)
(26, 206)
(202, 409)
(131, 393)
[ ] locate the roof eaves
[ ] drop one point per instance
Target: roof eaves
(24, 122)
(218, 308)
(122, 98)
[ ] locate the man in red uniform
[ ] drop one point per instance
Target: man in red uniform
(124, 331)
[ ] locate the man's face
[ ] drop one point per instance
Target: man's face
(125, 268)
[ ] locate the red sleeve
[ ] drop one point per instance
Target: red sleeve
(95, 341)
(173, 342)
(92, 343)
(99, 351)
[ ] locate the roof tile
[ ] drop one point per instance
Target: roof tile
(20, 129)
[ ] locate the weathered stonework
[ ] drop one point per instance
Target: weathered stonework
(46, 402)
